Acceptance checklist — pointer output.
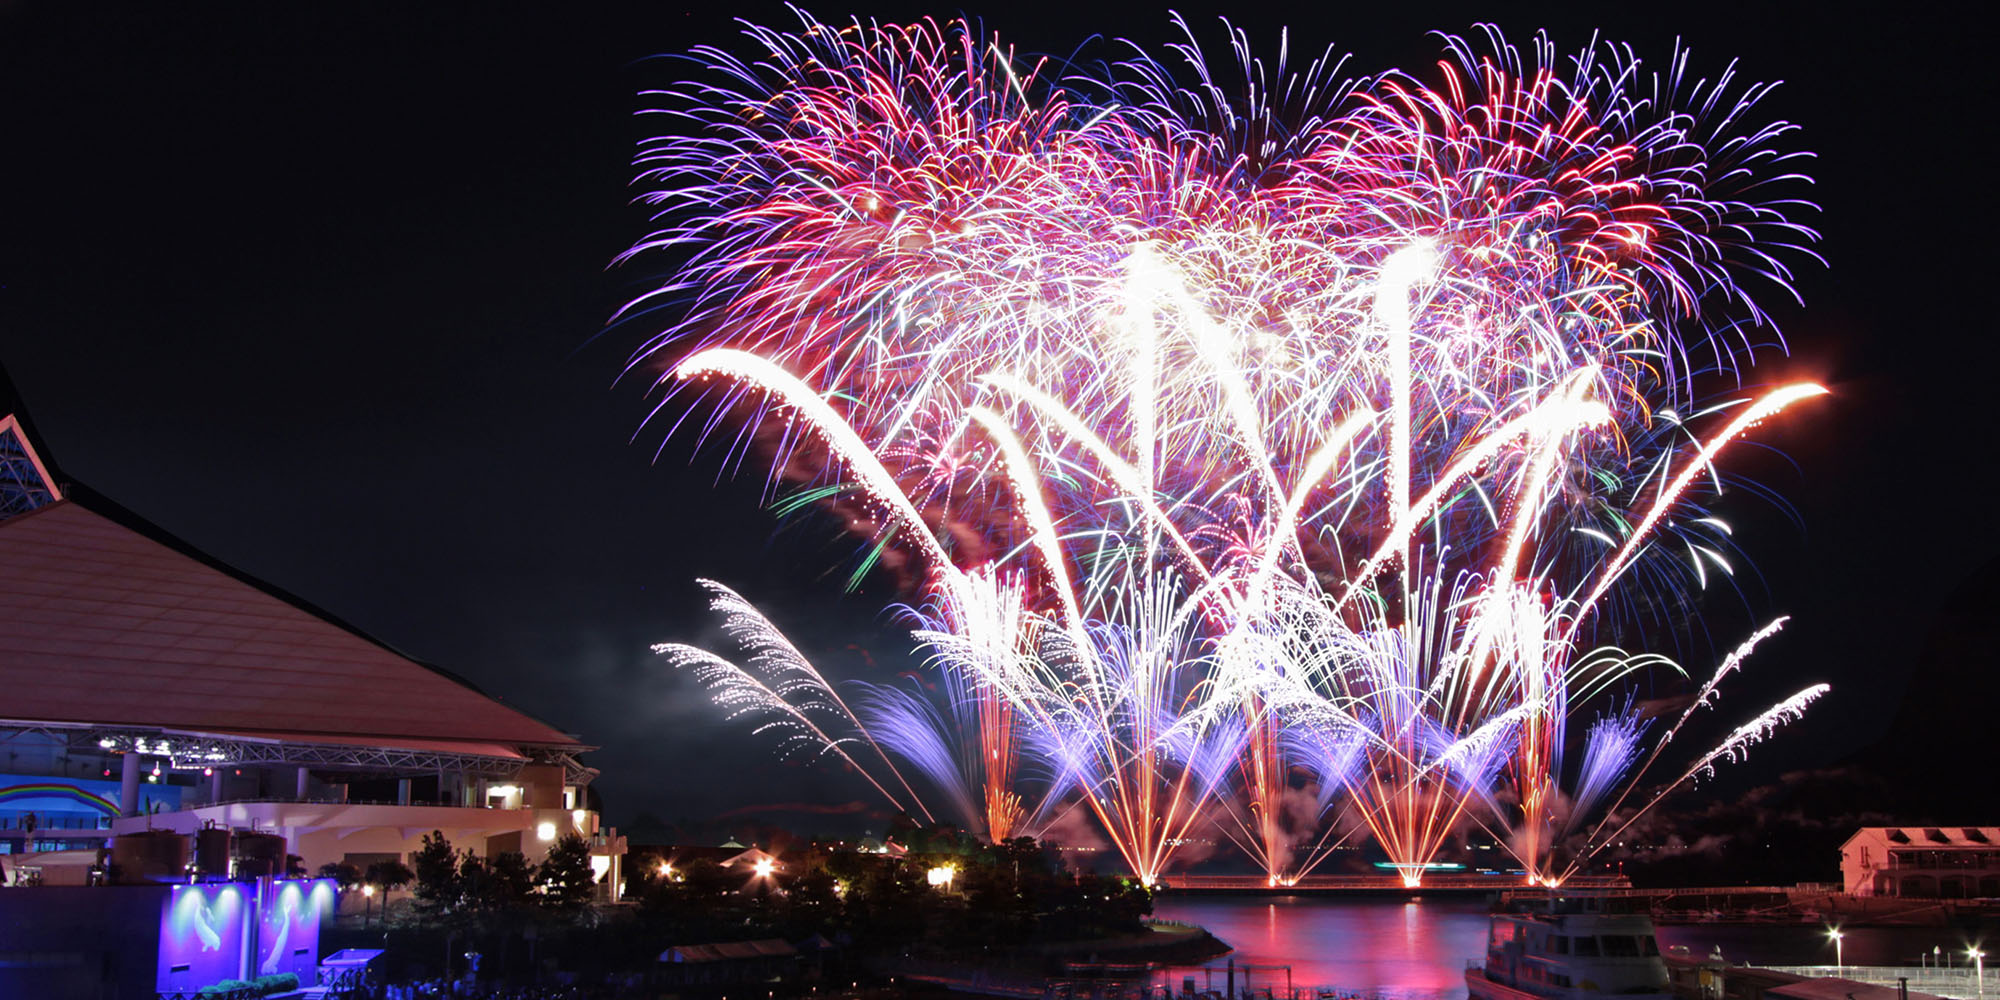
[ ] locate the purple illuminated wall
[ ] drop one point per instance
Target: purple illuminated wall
(201, 935)
(206, 931)
(288, 929)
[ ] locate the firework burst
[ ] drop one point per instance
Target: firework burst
(1295, 437)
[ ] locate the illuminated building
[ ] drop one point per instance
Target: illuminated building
(1926, 862)
(147, 685)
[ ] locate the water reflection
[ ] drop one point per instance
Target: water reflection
(1417, 950)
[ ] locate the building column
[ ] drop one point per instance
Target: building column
(214, 785)
(128, 784)
(305, 778)
(403, 791)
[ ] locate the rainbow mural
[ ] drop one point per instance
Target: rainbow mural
(20, 796)
(55, 796)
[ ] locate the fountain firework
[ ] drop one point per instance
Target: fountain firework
(1297, 438)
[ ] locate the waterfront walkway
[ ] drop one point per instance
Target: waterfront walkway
(1957, 984)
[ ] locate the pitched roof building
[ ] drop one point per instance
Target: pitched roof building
(1931, 862)
(215, 698)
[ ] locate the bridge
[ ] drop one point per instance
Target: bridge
(1433, 882)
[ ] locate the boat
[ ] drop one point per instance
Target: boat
(1570, 948)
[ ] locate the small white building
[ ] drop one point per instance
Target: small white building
(1924, 862)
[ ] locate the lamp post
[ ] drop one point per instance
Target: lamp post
(367, 901)
(1838, 963)
(1979, 969)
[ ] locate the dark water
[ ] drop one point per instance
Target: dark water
(1418, 950)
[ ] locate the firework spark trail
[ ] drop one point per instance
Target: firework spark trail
(1702, 699)
(1734, 747)
(1614, 743)
(1134, 355)
(790, 692)
(977, 780)
(1762, 409)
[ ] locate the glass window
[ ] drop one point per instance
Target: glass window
(1621, 946)
(1587, 946)
(1559, 944)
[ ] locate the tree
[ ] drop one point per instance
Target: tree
(565, 875)
(345, 876)
(513, 877)
(476, 885)
(438, 886)
(812, 903)
(384, 876)
(642, 869)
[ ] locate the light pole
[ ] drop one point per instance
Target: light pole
(1979, 969)
(1838, 963)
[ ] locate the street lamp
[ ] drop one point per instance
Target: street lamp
(1979, 966)
(1838, 962)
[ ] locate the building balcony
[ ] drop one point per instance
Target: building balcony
(323, 832)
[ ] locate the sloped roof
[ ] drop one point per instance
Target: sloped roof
(106, 624)
(729, 951)
(1932, 836)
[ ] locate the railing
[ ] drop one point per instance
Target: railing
(1722, 890)
(57, 822)
(1958, 984)
(289, 800)
(1064, 988)
(1946, 863)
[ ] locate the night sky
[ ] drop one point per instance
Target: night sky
(323, 289)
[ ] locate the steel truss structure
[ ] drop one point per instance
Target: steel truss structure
(185, 750)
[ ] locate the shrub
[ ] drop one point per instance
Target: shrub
(282, 982)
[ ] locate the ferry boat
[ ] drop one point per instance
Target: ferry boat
(1570, 948)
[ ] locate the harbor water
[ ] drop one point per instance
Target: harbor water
(1417, 949)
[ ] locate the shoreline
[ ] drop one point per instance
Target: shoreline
(1029, 971)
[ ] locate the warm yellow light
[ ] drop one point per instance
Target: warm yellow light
(941, 876)
(368, 890)
(764, 867)
(545, 830)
